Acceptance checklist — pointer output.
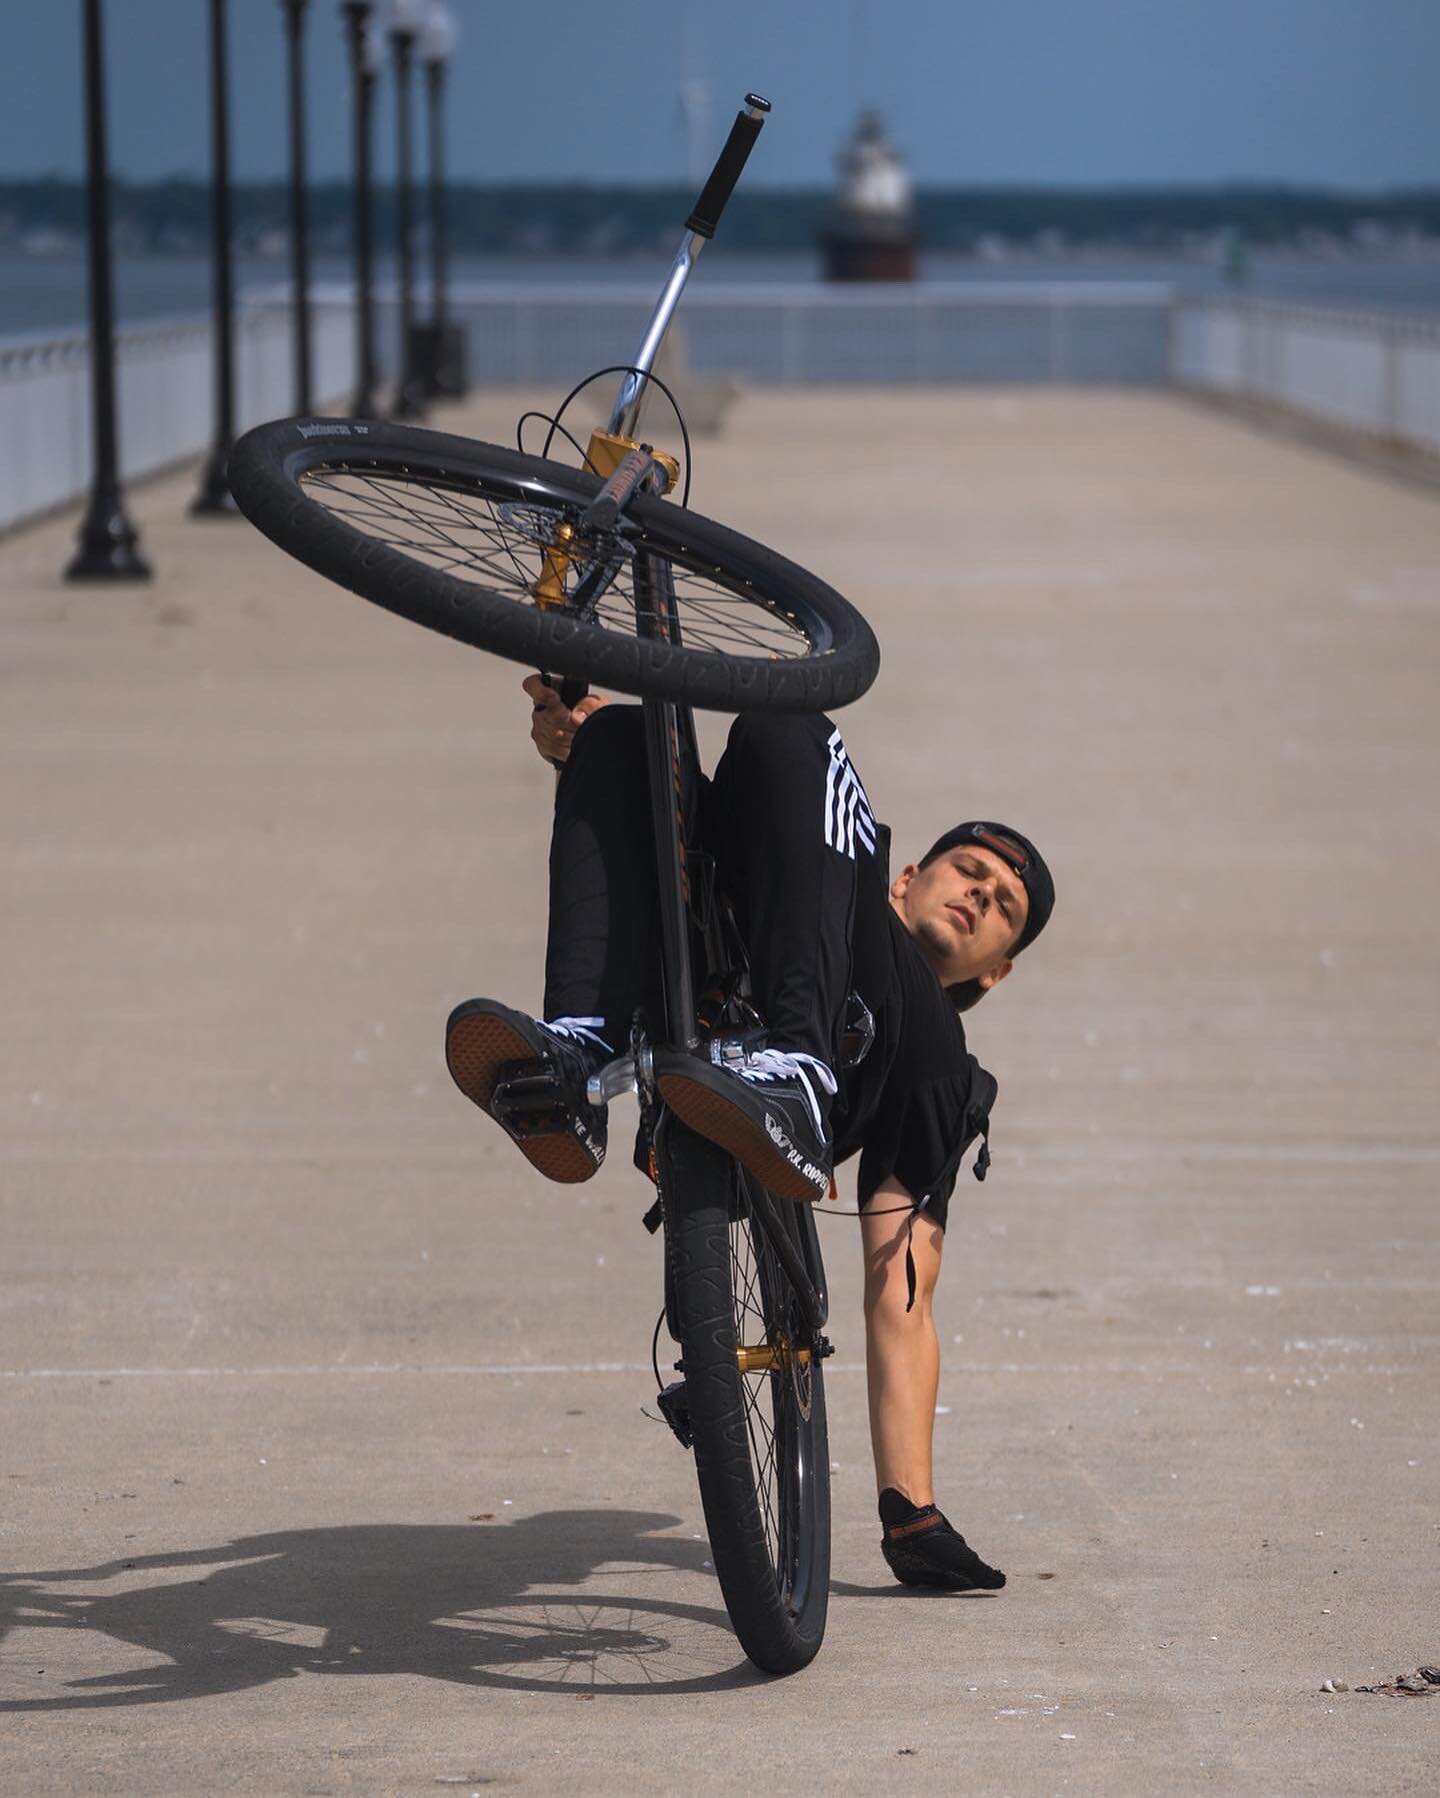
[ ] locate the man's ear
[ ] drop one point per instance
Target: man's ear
(902, 880)
(994, 977)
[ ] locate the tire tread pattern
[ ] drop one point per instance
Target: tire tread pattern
(698, 1228)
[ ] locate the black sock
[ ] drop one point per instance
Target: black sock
(929, 1552)
(896, 1508)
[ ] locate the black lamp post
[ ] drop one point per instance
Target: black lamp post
(107, 538)
(366, 55)
(404, 29)
(436, 44)
(299, 248)
(213, 500)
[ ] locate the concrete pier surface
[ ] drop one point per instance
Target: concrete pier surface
(324, 1451)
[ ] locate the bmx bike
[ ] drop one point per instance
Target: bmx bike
(590, 574)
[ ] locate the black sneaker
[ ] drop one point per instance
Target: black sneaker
(530, 1077)
(766, 1107)
(923, 1550)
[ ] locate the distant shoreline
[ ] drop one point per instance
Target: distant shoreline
(47, 214)
(47, 292)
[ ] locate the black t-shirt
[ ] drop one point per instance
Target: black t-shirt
(919, 1097)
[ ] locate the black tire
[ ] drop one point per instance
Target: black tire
(453, 535)
(761, 1448)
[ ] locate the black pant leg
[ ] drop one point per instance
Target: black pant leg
(599, 954)
(790, 816)
(602, 956)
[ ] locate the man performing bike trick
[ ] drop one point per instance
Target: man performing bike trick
(734, 951)
(859, 976)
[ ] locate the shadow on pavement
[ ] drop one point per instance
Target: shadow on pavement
(840, 1588)
(442, 1601)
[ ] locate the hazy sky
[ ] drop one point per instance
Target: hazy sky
(1339, 92)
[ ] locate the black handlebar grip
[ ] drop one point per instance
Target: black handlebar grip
(571, 690)
(728, 168)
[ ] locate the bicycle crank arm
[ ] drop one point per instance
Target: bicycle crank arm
(626, 1074)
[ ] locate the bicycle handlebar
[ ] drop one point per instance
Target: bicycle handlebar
(727, 170)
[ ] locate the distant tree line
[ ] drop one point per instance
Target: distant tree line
(174, 214)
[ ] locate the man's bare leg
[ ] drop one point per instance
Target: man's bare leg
(902, 1352)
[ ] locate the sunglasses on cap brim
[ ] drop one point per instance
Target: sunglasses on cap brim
(1004, 846)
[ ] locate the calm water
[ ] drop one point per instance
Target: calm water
(47, 293)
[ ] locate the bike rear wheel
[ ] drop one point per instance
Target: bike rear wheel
(755, 1392)
(487, 546)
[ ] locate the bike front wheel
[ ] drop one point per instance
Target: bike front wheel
(755, 1394)
(489, 546)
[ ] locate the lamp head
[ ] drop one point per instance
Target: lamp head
(406, 19)
(437, 36)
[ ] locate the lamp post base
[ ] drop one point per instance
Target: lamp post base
(214, 499)
(439, 355)
(409, 401)
(107, 549)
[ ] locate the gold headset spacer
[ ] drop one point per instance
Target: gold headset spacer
(607, 451)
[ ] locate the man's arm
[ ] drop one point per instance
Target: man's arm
(902, 1351)
(553, 723)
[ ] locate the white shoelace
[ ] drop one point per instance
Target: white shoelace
(579, 1030)
(808, 1070)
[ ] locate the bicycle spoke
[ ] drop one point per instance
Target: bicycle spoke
(376, 504)
(501, 544)
(756, 1282)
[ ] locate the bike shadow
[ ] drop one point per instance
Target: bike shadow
(444, 1601)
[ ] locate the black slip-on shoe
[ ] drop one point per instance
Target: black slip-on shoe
(922, 1549)
(530, 1077)
(763, 1106)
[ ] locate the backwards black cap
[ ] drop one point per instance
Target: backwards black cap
(1017, 852)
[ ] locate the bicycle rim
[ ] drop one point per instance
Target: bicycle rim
(488, 546)
(780, 1400)
(757, 1407)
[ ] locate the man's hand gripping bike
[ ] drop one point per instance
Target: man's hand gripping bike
(590, 574)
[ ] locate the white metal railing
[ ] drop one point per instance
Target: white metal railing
(552, 336)
(164, 396)
(1077, 331)
(1377, 373)
(1372, 372)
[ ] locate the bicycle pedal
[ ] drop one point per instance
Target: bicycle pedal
(675, 1409)
(530, 1099)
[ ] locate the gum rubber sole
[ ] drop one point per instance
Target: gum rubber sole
(714, 1117)
(478, 1045)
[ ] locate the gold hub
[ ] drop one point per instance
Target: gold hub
(549, 588)
(771, 1357)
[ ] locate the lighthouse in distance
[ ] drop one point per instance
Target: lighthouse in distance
(870, 234)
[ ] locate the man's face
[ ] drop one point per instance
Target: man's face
(965, 910)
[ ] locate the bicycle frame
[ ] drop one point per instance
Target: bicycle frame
(670, 733)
